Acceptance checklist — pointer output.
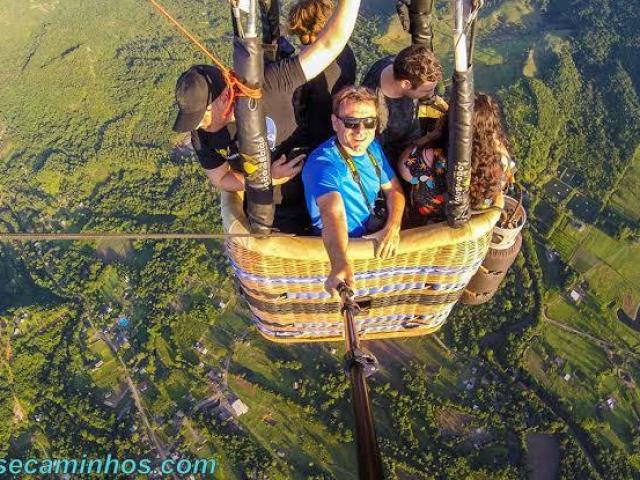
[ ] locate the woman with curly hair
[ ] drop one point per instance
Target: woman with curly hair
(424, 167)
(313, 100)
(307, 18)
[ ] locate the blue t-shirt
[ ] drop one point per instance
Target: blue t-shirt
(325, 171)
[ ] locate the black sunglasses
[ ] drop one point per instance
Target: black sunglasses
(352, 123)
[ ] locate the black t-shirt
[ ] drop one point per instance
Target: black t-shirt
(213, 149)
(401, 125)
(313, 100)
(281, 79)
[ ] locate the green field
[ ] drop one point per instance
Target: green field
(592, 379)
(109, 374)
(86, 107)
(176, 386)
(590, 318)
(615, 273)
(627, 196)
(609, 265)
(295, 433)
(500, 58)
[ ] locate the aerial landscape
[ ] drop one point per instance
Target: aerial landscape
(143, 349)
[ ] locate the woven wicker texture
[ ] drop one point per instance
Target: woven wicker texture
(407, 295)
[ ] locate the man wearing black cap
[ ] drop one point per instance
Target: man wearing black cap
(203, 98)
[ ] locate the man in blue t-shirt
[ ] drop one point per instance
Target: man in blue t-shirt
(342, 178)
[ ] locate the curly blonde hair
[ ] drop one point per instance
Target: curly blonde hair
(308, 17)
(488, 139)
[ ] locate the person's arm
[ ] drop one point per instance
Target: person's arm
(215, 165)
(336, 239)
(229, 180)
(331, 40)
(388, 238)
(402, 168)
(225, 178)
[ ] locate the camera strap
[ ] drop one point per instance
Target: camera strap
(356, 175)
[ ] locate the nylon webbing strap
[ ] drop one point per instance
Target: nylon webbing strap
(356, 175)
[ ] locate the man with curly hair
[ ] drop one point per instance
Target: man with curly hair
(399, 83)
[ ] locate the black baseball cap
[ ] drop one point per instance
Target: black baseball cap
(195, 90)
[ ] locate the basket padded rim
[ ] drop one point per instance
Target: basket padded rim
(312, 248)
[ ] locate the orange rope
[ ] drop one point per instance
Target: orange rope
(237, 88)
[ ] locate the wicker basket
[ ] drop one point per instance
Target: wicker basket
(410, 294)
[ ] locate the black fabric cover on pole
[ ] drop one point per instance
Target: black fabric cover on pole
(270, 16)
(248, 65)
(420, 22)
(460, 147)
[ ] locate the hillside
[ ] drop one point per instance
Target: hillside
(523, 383)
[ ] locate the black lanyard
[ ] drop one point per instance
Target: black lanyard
(356, 175)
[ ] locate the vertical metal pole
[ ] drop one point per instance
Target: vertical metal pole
(252, 20)
(460, 125)
(248, 65)
(369, 458)
(459, 37)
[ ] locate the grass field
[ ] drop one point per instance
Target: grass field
(509, 36)
(609, 265)
(176, 386)
(41, 320)
(581, 354)
(253, 356)
(108, 375)
(589, 318)
(616, 271)
(627, 196)
(228, 327)
(591, 381)
(297, 434)
(511, 13)
(164, 352)
(566, 239)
